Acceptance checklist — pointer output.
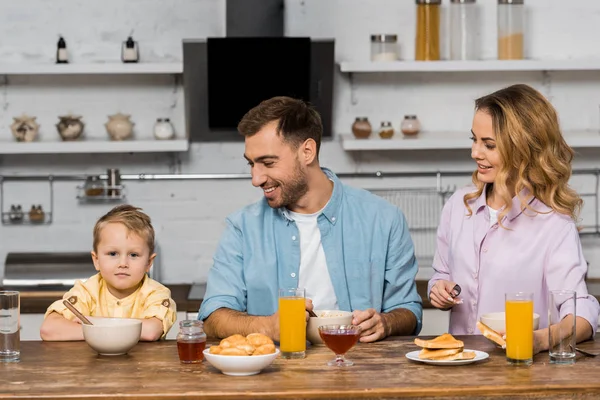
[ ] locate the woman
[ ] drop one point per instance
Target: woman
(516, 229)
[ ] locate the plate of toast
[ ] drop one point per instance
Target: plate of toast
(445, 350)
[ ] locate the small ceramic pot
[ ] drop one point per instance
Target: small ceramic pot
(24, 128)
(70, 127)
(119, 126)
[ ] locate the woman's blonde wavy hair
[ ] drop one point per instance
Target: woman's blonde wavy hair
(533, 152)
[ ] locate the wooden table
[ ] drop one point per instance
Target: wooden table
(152, 371)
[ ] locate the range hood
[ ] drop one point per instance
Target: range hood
(255, 18)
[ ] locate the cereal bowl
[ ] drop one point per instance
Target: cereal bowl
(112, 336)
(240, 365)
(497, 321)
(325, 317)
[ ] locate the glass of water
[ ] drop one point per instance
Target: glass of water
(10, 342)
(562, 326)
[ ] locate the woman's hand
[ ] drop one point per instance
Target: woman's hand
(442, 295)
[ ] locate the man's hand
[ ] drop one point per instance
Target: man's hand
(373, 325)
(441, 295)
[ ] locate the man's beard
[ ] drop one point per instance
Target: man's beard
(293, 189)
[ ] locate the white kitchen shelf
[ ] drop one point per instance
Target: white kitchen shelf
(97, 68)
(95, 146)
(471, 66)
(447, 141)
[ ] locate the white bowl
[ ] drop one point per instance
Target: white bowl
(112, 336)
(496, 321)
(325, 317)
(240, 365)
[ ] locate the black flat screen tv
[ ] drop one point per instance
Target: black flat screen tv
(226, 77)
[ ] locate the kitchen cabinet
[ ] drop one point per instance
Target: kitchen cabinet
(172, 334)
(30, 326)
(435, 322)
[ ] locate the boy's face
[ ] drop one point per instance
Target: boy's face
(123, 258)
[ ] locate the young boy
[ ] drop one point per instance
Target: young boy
(123, 254)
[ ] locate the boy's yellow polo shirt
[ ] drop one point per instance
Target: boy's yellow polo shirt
(92, 298)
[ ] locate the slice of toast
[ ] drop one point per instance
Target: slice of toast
(445, 341)
(491, 334)
(427, 354)
(463, 355)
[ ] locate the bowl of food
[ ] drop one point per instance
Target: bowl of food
(112, 336)
(237, 355)
(325, 317)
(497, 321)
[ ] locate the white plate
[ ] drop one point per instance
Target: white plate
(479, 355)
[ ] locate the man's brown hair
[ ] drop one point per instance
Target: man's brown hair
(297, 120)
(134, 220)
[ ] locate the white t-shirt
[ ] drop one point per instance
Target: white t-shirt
(493, 216)
(314, 275)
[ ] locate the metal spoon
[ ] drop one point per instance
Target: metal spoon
(584, 352)
(75, 311)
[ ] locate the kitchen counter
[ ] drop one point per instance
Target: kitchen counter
(189, 297)
(36, 302)
(56, 370)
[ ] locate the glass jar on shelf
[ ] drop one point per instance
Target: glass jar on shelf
(361, 128)
(463, 30)
(191, 341)
(386, 130)
(410, 126)
(93, 186)
(427, 46)
(511, 29)
(384, 47)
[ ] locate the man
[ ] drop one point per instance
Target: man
(350, 249)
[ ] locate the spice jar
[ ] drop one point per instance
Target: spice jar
(163, 130)
(384, 47)
(93, 186)
(427, 46)
(510, 29)
(386, 130)
(361, 128)
(410, 126)
(463, 30)
(191, 341)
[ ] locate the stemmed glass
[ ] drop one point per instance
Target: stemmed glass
(339, 339)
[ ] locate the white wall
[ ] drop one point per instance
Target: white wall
(188, 216)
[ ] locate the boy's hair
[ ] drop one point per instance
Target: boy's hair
(134, 220)
(297, 120)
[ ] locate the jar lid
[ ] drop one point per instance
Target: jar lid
(516, 2)
(191, 326)
(434, 2)
(386, 124)
(410, 117)
(463, 1)
(361, 119)
(384, 38)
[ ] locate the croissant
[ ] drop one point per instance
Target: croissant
(233, 352)
(237, 345)
(233, 341)
(258, 339)
(268, 348)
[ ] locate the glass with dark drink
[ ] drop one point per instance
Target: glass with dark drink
(340, 339)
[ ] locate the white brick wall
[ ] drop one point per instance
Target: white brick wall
(188, 215)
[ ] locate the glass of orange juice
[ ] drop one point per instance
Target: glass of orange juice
(292, 323)
(519, 328)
